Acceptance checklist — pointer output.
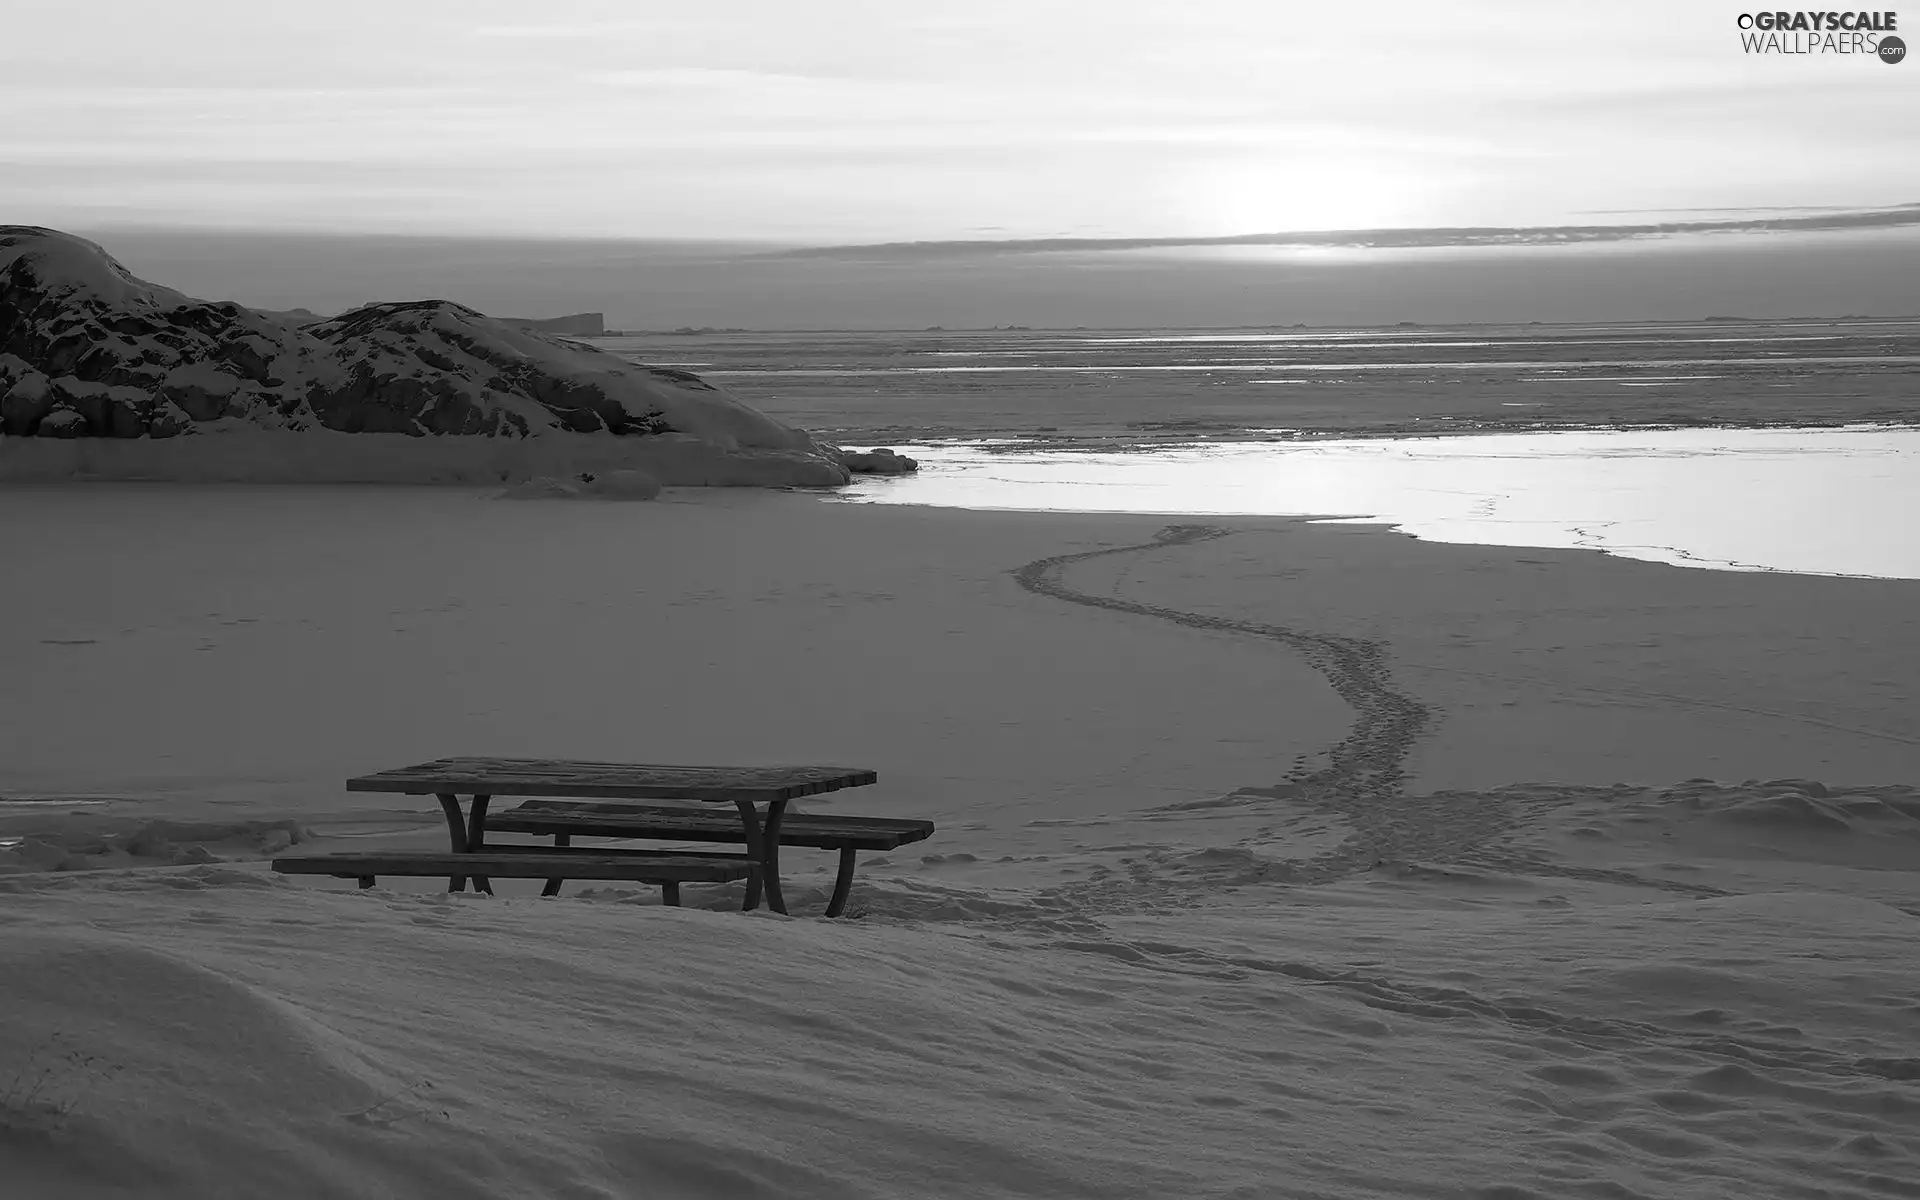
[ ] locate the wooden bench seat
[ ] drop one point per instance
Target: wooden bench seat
(666, 868)
(567, 819)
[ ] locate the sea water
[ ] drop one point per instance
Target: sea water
(1825, 501)
(1124, 387)
(1620, 437)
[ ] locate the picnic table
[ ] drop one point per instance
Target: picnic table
(477, 781)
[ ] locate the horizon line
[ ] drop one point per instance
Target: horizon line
(1834, 220)
(1796, 319)
(1816, 219)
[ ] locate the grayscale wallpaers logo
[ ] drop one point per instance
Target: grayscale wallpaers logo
(1866, 34)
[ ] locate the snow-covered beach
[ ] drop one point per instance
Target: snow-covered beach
(1325, 602)
(1635, 923)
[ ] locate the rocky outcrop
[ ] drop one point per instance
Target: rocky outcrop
(877, 462)
(89, 351)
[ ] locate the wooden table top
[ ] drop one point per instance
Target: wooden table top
(630, 781)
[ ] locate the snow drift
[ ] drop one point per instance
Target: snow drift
(90, 352)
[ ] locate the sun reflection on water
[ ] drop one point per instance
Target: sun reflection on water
(1810, 501)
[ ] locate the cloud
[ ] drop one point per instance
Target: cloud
(1819, 221)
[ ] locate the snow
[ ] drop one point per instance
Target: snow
(426, 1045)
(623, 485)
(1639, 924)
(236, 451)
(82, 268)
(699, 411)
(206, 376)
(615, 485)
(59, 423)
(544, 487)
(28, 384)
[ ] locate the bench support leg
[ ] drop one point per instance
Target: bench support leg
(842, 883)
(466, 834)
(366, 881)
(552, 887)
(670, 893)
(763, 845)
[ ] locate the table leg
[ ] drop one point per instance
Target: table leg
(467, 834)
(552, 886)
(752, 898)
(477, 839)
(763, 844)
(842, 883)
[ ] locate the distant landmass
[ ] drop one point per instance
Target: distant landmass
(591, 324)
(292, 316)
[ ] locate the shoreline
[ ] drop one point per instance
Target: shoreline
(1399, 526)
(1412, 484)
(1198, 433)
(1140, 443)
(1810, 322)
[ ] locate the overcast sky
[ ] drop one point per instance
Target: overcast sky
(867, 120)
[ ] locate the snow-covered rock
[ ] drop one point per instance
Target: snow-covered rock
(88, 351)
(877, 462)
(63, 423)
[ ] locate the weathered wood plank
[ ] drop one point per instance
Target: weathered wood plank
(617, 808)
(654, 868)
(638, 781)
(608, 851)
(589, 819)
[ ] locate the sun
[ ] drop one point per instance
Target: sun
(1295, 192)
